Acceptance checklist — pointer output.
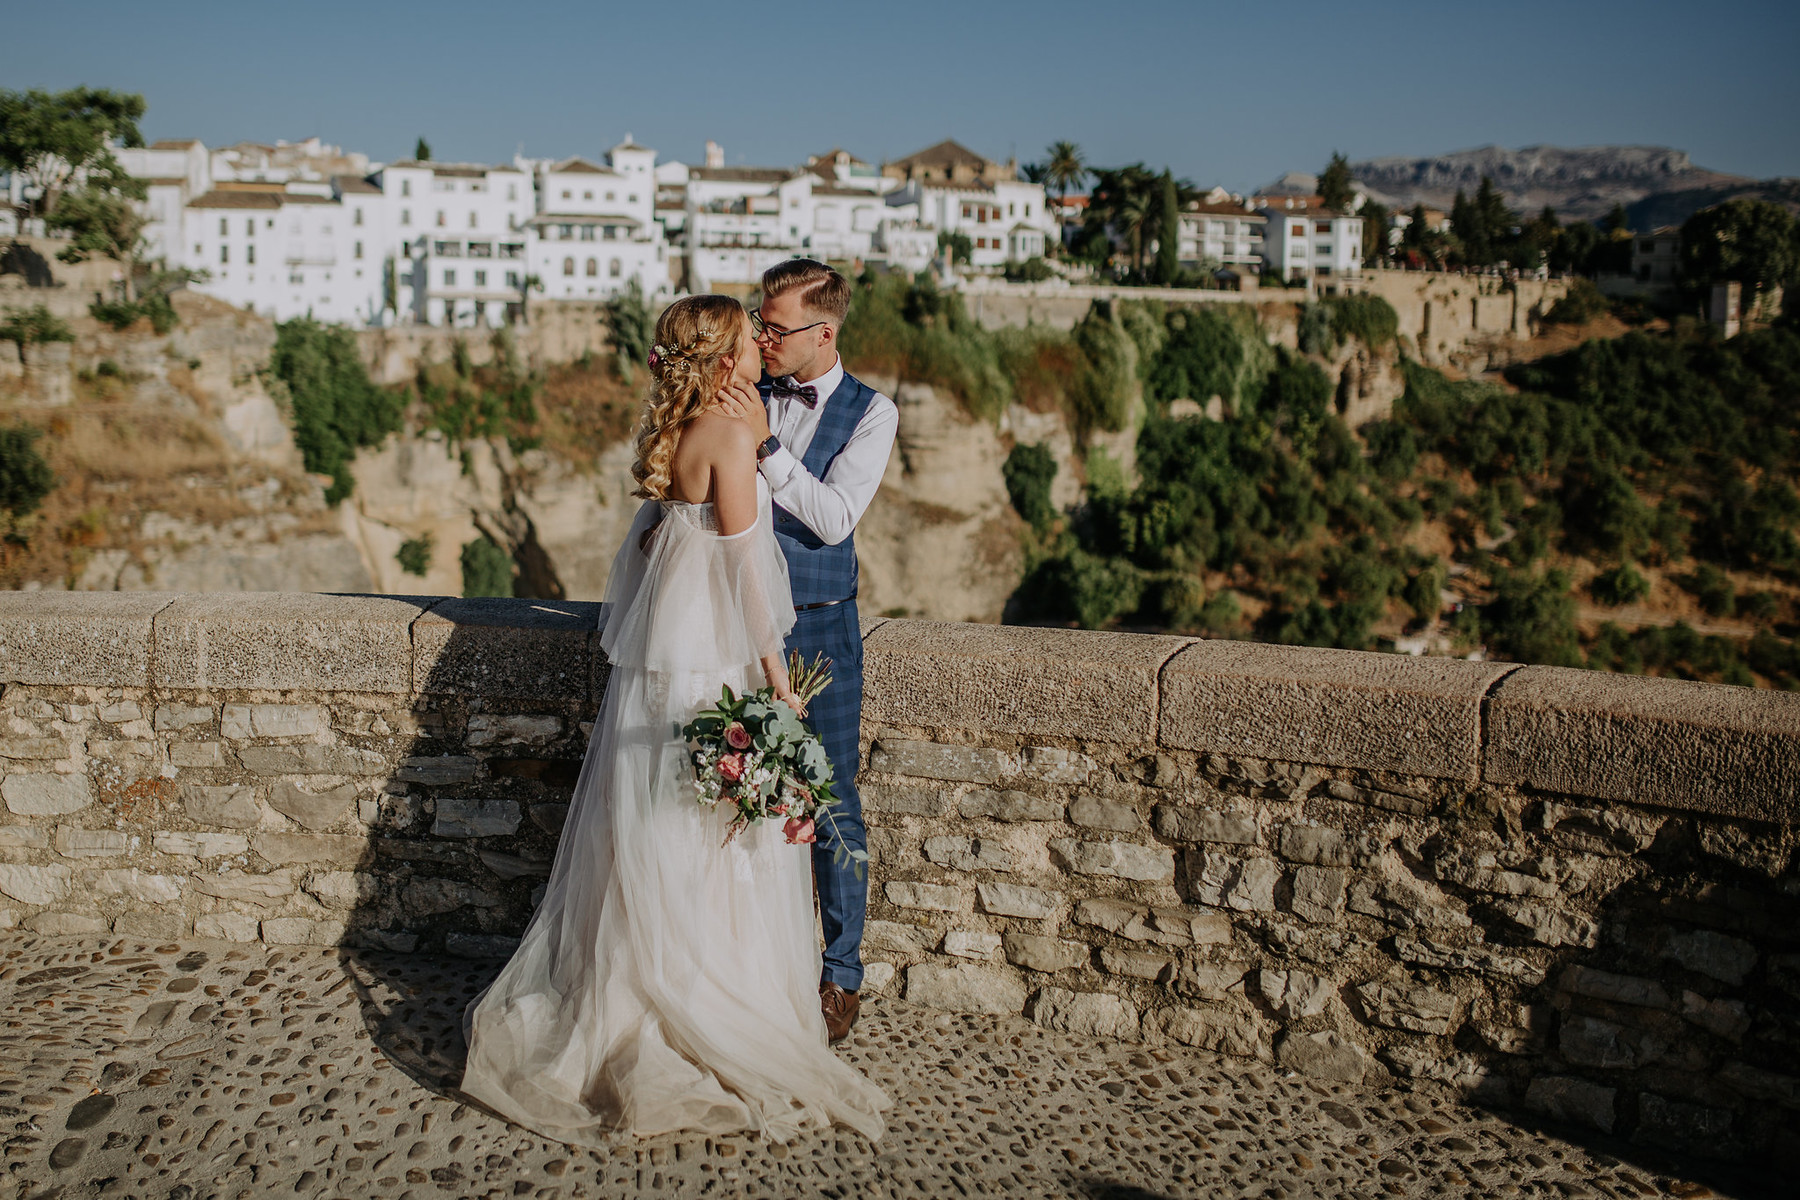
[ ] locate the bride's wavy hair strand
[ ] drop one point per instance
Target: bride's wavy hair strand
(692, 337)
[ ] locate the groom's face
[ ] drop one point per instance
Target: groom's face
(805, 353)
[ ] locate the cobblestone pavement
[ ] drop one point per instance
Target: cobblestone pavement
(210, 1069)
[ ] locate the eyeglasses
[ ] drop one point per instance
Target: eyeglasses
(774, 334)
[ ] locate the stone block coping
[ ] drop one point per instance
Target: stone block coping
(1709, 748)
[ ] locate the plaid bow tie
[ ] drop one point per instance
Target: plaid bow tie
(804, 393)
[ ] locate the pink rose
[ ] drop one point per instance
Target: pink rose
(737, 737)
(731, 767)
(800, 831)
(779, 810)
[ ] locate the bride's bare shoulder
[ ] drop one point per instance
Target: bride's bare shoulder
(716, 433)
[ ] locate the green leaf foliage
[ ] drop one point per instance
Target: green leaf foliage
(335, 406)
(487, 570)
(25, 478)
(33, 326)
(1028, 472)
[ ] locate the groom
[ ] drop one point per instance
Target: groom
(825, 439)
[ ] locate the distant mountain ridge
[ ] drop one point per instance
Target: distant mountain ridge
(1580, 182)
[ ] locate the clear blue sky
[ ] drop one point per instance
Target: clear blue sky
(1223, 93)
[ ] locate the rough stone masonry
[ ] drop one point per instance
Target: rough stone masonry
(1569, 893)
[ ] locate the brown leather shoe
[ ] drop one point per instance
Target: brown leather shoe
(840, 1009)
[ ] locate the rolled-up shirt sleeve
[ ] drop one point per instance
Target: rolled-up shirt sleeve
(832, 506)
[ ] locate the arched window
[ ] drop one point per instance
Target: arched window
(568, 266)
(613, 268)
(593, 267)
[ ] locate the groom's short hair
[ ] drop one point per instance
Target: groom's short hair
(821, 289)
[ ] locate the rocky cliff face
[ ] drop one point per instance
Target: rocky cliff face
(1580, 182)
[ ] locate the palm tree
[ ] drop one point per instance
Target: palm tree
(1136, 214)
(1065, 168)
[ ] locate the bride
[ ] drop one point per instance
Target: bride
(669, 979)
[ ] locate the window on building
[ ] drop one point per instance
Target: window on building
(613, 268)
(406, 187)
(587, 233)
(968, 211)
(512, 279)
(631, 199)
(567, 193)
(224, 226)
(609, 196)
(250, 255)
(1297, 230)
(481, 279)
(406, 216)
(481, 249)
(474, 220)
(1322, 227)
(296, 277)
(512, 191)
(593, 266)
(224, 253)
(358, 251)
(441, 219)
(198, 250)
(1009, 210)
(449, 278)
(568, 266)
(611, 233)
(565, 232)
(250, 227)
(356, 217)
(588, 195)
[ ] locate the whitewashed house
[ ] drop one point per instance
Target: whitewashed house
(287, 250)
(460, 231)
(951, 189)
(1224, 233)
(1311, 244)
(595, 229)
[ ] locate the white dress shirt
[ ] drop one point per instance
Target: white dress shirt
(831, 506)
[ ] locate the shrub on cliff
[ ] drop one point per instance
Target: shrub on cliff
(1029, 471)
(33, 326)
(334, 404)
(25, 478)
(487, 570)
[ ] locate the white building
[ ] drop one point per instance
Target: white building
(595, 229)
(460, 231)
(1223, 233)
(1311, 243)
(1005, 221)
(285, 252)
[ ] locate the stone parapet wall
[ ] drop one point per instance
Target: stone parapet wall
(1555, 889)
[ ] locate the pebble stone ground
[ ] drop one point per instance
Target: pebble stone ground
(210, 1069)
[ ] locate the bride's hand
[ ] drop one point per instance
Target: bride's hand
(743, 401)
(792, 701)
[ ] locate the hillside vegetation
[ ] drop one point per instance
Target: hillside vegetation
(1626, 505)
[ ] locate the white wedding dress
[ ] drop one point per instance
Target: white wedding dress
(670, 980)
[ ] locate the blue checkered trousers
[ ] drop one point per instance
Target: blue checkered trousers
(819, 573)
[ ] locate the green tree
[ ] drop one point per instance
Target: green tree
(1168, 231)
(414, 555)
(1029, 471)
(25, 478)
(1105, 390)
(1747, 241)
(487, 570)
(630, 326)
(1531, 619)
(335, 406)
(1065, 168)
(103, 217)
(1622, 584)
(33, 327)
(1336, 188)
(1375, 217)
(959, 245)
(422, 150)
(51, 138)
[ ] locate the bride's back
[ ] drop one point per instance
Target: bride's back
(713, 449)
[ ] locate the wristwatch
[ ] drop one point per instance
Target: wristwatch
(766, 447)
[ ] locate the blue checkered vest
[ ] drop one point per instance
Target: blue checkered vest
(818, 572)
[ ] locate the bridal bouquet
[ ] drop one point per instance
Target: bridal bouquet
(754, 753)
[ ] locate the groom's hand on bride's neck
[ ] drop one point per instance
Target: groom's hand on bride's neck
(743, 401)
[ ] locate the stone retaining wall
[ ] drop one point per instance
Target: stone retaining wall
(1567, 891)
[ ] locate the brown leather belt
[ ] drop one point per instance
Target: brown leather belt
(800, 608)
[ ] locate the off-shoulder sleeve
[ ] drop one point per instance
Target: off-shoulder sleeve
(700, 601)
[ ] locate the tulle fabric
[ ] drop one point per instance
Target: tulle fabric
(669, 981)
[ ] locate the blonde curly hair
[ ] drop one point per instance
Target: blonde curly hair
(692, 336)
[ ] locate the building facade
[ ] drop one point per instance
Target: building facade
(1311, 244)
